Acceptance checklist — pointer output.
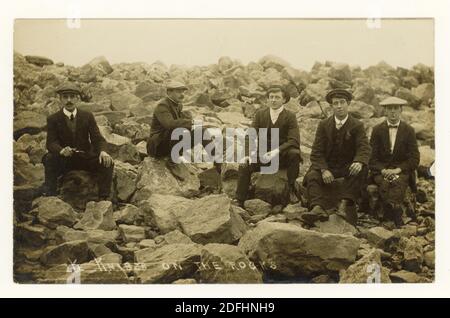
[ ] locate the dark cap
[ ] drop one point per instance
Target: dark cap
(68, 87)
(339, 92)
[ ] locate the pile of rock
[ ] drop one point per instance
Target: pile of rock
(159, 229)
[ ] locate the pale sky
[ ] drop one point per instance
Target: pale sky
(402, 42)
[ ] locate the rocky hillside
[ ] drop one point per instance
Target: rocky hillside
(159, 229)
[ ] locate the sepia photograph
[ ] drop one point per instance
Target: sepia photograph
(224, 151)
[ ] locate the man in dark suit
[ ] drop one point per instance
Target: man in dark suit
(340, 150)
(167, 116)
(288, 152)
(75, 142)
(395, 157)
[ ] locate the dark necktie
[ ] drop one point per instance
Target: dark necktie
(393, 126)
(72, 117)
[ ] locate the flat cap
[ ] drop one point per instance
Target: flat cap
(68, 87)
(393, 101)
(339, 92)
(175, 85)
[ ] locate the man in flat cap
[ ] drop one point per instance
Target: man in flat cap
(395, 157)
(288, 152)
(340, 150)
(167, 116)
(74, 142)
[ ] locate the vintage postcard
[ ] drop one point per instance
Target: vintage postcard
(224, 151)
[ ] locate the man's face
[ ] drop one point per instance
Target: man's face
(69, 100)
(340, 107)
(393, 113)
(276, 99)
(176, 95)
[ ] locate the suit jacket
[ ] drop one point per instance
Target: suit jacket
(166, 117)
(354, 143)
(87, 136)
(405, 155)
(286, 123)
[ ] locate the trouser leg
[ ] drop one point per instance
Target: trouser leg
(244, 175)
(292, 162)
(55, 166)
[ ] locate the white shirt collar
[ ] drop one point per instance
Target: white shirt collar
(343, 121)
(275, 113)
(67, 113)
(393, 124)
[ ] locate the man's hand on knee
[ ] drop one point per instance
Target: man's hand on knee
(105, 159)
(327, 176)
(355, 168)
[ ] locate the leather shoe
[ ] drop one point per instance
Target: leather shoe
(347, 210)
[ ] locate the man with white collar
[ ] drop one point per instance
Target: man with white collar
(340, 150)
(277, 117)
(395, 157)
(74, 142)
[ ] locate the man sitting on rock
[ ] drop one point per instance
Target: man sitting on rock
(340, 150)
(167, 117)
(74, 142)
(275, 116)
(395, 157)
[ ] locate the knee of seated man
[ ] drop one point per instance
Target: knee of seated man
(293, 154)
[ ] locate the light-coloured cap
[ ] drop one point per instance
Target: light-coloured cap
(393, 101)
(175, 85)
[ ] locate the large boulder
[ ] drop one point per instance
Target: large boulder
(162, 211)
(52, 212)
(26, 173)
(129, 214)
(38, 60)
(212, 220)
(65, 234)
(98, 216)
(368, 269)
(336, 225)
(120, 147)
(273, 188)
(131, 233)
(340, 72)
(124, 180)
(424, 92)
(226, 264)
(79, 187)
(28, 122)
(413, 255)
(272, 61)
(67, 253)
(27, 234)
(124, 101)
(169, 263)
(100, 65)
(289, 251)
(150, 91)
(154, 177)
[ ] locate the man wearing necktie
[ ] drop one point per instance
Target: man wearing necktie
(340, 151)
(74, 142)
(395, 157)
